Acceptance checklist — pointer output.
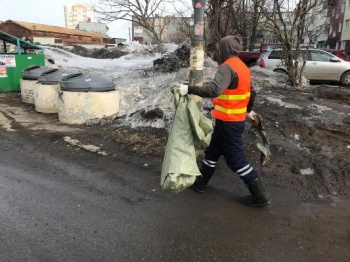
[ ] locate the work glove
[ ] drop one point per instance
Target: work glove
(183, 90)
(251, 115)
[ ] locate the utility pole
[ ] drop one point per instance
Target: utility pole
(197, 47)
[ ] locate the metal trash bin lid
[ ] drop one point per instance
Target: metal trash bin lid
(33, 72)
(51, 78)
(87, 83)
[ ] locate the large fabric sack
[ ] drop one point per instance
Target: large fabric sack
(190, 134)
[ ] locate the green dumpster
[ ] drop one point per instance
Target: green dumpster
(12, 64)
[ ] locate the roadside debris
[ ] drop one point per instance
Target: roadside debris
(91, 148)
(172, 62)
(262, 142)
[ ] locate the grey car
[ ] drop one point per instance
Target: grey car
(319, 65)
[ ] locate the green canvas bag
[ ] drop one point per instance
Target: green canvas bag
(190, 134)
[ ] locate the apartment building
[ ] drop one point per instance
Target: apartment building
(171, 29)
(345, 35)
(335, 13)
(330, 24)
(73, 14)
(266, 29)
(317, 22)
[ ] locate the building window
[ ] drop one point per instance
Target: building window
(347, 25)
(340, 27)
(343, 43)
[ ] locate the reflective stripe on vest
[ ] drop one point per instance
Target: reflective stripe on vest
(231, 111)
(231, 105)
(234, 97)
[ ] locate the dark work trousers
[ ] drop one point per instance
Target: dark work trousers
(227, 141)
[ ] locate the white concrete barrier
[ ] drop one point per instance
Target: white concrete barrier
(80, 107)
(29, 79)
(27, 90)
(46, 98)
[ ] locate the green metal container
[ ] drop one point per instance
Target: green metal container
(10, 75)
(12, 64)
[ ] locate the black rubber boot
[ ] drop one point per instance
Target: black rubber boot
(201, 182)
(259, 196)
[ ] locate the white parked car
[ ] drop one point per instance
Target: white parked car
(319, 65)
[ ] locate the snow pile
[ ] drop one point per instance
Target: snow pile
(145, 97)
(100, 53)
(267, 78)
(173, 61)
(68, 60)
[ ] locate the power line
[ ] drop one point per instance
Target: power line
(9, 7)
(37, 20)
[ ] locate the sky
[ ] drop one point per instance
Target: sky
(51, 12)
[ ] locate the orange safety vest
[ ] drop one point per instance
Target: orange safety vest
(232, 104)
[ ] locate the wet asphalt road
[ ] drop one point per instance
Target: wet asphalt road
(60, 203)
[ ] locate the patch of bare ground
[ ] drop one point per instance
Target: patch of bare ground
(143, 141)
(310, 142)
(308, 130)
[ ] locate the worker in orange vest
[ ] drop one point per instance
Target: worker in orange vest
(233, 103)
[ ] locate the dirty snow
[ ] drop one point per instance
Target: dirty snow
(307, 172)
(320, 108)
(6, 123)
(132, 61)
(141, 88)
(91, 148)
(281, 103)
(296, 137)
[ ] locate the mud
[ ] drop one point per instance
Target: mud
(309, 135)
(308, 179)
(310, 142)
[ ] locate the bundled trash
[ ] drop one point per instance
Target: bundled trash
(262, 142)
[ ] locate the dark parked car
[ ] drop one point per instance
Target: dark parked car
(249, 57)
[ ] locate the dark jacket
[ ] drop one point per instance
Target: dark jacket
(225, 77)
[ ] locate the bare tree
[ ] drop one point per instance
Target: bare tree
(288, 21)
(246, 15)
(148, 14)
(234, 17)
(218, 22)
(184, 10)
